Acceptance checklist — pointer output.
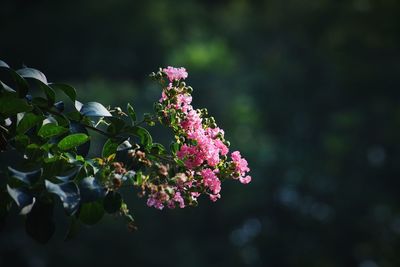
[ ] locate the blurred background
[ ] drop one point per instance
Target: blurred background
(307, 90)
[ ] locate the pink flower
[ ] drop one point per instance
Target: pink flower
(241, 163)
(215, 197)
(175, 73)
(178, 198)
(183, 102)
(192, 156)
(245, 180)
(211, 181)
(221, 146)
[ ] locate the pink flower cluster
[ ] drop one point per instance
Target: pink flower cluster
(241, 167)
(175, 73)
(204, 150)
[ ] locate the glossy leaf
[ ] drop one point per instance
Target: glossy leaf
(3, 64)
(94, 109)
(68, 193)
(91, 189)
(50, 130)
(142, 133)
(28, 121)
(76, 127)
(28, 177)
(131, 113)
(68, 175)
(109, 148)
(72, 141)
(22, 198)
(68, 90)
(33, 74)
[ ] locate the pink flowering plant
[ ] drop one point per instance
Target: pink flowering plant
(52, 142)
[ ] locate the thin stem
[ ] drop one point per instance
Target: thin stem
(4, 128)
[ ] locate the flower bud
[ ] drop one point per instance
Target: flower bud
(189, 89)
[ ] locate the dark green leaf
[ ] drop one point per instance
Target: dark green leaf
(50, 130)
(142, 133)
(59, 106)
(91, 189)
(39, 222)
(33, 74)
(94, 109)
(50, 94)
(68, 90)
(131, 113)
(21, 142)
(109, 148)
(72, 141)
(28, 121)
(28, 177)
(157, 148)
(174, 147)
(10, 105)
(112, 202)
(91, 213)
(68, 193)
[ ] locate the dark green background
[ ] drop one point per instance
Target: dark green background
(307, 90)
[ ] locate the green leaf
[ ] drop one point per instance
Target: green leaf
(94, 109)
(68, 193)
(157, 149)
(50, 94)
(131, 113)
(50, 130)
(109, 148)
(91, 212)
(76, 127)
(39, 223)
(116, 125)
(174, 147)
(28, 121)
(142, 133)
(68, 90)
(33, 74)
(21, 142)
(112, 202)
(72, 141)
(10, 105)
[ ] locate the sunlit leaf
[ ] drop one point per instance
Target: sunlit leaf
(72, 141)
(94, 109)
(50, 130)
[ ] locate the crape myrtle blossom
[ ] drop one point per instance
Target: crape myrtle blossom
(202, 148)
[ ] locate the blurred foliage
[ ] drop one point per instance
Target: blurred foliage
(308, 90)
